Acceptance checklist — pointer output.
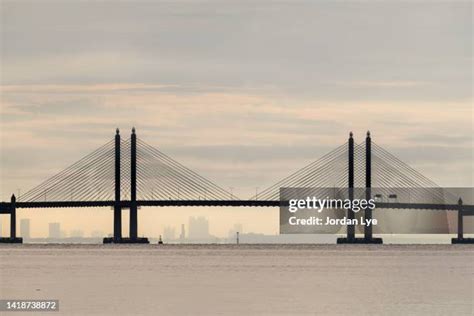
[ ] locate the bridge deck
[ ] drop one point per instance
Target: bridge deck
(5, 206)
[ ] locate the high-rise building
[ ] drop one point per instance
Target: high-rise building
(169, 233)
(198, 228)
(25, 228)
(182, 236)
(54, 230)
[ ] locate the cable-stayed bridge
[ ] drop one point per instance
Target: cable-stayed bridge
(130, 173)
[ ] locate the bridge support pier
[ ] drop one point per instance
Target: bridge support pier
(460, 239)
(13, 239)
(117, 223)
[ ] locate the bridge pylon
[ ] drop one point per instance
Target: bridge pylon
(119, 204)
(368, 237)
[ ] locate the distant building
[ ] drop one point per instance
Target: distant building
(54, 230)
(25, 228)
(198, 228)
(169, 233)
(182, 236)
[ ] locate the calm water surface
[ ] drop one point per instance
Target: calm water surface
(243, 279)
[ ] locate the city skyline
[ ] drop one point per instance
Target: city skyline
(198, 228)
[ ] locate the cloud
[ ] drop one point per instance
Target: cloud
(235, 138)
(384, 50)
(445, 140)
(82, 88)
(228, 87)
(384, 84)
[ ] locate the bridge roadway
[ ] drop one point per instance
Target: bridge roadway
(5, 206)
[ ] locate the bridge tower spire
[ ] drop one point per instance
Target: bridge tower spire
(350, 213)
(368, 236)
(368, 184)
(117, 204)
(133, 187)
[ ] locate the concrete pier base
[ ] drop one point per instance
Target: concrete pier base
(345, 240)
(11, 240)
(462, 240)
(138, 240)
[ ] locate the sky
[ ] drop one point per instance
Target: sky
(243, 92)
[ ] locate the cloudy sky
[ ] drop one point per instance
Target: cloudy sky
(244, 92)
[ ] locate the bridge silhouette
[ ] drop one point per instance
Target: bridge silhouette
(129, 174)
